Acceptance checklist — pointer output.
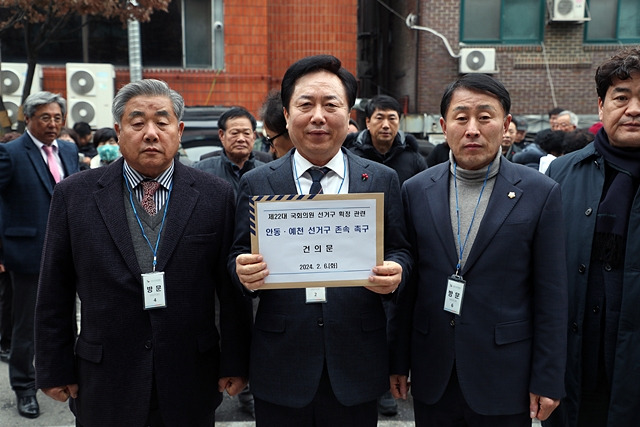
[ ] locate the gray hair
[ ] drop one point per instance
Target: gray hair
(146, 87)
(37, 99)
(573, 118)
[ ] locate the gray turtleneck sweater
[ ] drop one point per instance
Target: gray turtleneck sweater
(470, 184)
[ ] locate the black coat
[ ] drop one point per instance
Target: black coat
(403, 157)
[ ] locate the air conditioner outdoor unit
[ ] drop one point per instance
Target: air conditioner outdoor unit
(90, 92)
(568, 10)
(478, 60)
(13, 76)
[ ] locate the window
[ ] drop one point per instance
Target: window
(616, 21)
(502, 21)
(189, 35)
(203, 33)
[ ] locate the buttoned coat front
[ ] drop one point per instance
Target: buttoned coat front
(122, 348)
(26, 187)
(293, 340)
(510, 337)
(582, 176)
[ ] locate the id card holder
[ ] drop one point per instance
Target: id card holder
(153, 290)
(454, 294)
(315, 295)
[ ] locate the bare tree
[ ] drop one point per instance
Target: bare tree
(41, 20)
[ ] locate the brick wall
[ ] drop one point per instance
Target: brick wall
(262, 38)
(522, 68)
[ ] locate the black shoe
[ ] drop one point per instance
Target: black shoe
(387, 405)
(4, 355)
(28, 406)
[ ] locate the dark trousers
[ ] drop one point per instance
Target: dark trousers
(323, 411)
(6, 297)
(452, 410)
(21, 371)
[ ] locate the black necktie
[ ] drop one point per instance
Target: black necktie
(316, 176)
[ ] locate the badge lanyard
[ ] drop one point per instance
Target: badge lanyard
(455, 184)
(154, 250)
(455, 283)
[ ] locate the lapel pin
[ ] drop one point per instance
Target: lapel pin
(511, 195)
(365, 177)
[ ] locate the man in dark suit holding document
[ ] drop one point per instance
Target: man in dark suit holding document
(319, 357)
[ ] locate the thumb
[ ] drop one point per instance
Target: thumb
(534, 404)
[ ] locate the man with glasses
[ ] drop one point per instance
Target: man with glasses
(566, 121)
(237, 131)
(30, 167)
(275, 125)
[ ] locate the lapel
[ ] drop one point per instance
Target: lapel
(181, 204)
(498, 209)
(110, 201)
(281, 178)
(39, 165)
(436, 193)
(68, 156)
(357, 168)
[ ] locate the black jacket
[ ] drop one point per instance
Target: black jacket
(403, 157)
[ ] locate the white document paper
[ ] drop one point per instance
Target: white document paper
(327, 240)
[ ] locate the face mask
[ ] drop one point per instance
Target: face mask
(108, 152)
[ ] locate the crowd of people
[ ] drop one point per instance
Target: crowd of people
(507, 288)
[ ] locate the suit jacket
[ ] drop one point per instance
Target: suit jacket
(292, 341)
(510, 338)
(122, 349)
(26, 186)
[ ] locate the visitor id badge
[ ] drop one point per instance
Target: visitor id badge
(153, 289)
(316, 295)
(455, 292)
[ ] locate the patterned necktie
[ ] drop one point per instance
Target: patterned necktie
(52, 162)
(316, 176)
(148, 190)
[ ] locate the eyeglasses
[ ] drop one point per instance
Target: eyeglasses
(269, 140)
(46, 119)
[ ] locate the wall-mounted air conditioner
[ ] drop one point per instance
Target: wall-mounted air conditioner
(12, 78)
(90, 92)
(568, 10)
(474, 60)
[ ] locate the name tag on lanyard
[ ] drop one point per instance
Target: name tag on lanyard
(153, 290)
(454, 294)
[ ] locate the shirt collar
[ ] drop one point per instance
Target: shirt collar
(336, 164)
(135, 177)
(39, 143)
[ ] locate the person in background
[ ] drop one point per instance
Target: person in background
(566, 121)
(30, 168)
(353, 126)
(85, 147)
(507, 141)
(601, 201)
(553, 115)
(106, 143)
(480, 325)
(68, 134)
(6, 291)
(576, 139)
(275, 125)
(143, 242)
(551, 143)
(237, 132)
(383, 141)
